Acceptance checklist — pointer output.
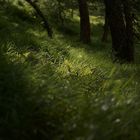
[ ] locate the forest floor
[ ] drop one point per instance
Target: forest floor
(61, 89)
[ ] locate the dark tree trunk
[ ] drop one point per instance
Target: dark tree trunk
(84, 21)
(119, 31)
(106, 29)
(129, 28)
(38, 11)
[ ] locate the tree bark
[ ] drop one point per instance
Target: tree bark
(106, 29)
(120, 29)
(84, 21)
(38, 11)
(129, 28)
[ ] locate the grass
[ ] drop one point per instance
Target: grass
(61, 89)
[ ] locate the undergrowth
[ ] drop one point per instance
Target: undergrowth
(61, 89)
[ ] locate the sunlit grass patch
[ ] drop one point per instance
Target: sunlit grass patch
(97, 20)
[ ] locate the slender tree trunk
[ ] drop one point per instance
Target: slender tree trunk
(106, 29)
(38, 11)
(119, 31)
(84, 21)
(72, 12)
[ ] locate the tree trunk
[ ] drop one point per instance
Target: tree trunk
(119, 31)
(84, 21)
(129, 28)
(106, 29)
(72, 12)
(38, 11)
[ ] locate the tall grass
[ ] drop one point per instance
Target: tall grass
(61, 89)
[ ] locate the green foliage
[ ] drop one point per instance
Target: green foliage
(61, 89)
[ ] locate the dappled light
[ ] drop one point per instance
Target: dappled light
(63, 87)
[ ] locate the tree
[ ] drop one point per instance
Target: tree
(127, 4)
(106, 28)
(38, 11)
(121, 26)
(84, 21)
